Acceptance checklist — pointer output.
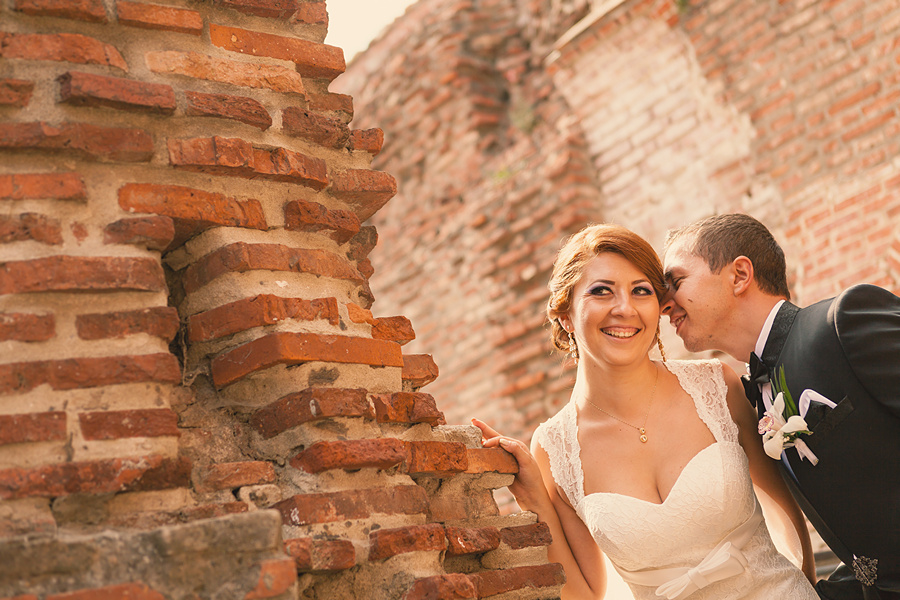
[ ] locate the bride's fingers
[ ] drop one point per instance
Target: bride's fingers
(491, 443)
(486, 430)
(514, 447)
(493, 439)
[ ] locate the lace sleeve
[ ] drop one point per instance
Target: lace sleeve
(559, 438)
(704, 380)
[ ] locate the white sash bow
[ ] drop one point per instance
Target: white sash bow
(724, 561)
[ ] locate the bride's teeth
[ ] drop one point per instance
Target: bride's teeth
(620, 334)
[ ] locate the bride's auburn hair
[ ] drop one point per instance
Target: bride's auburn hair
(578, 250)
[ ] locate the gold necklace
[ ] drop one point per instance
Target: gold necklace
(642, 430)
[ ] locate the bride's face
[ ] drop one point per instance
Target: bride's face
(614, 311)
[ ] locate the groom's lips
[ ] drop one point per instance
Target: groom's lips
(677, 322)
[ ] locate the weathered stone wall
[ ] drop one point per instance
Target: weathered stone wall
(498, 173)
(637, 112)
(787, 111)
(196, 399)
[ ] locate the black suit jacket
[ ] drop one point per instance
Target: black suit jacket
(847, 348)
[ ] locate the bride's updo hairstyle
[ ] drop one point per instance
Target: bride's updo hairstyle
(579, 249)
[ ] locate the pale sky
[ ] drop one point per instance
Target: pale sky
(352, 24)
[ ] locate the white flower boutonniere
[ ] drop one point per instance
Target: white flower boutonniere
(783, 424)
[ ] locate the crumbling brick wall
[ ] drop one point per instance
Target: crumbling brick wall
(498, 174)
(196, 398)
(513, 124)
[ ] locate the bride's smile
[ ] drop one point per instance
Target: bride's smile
(620, 332)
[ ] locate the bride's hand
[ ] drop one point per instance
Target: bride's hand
(528, 486)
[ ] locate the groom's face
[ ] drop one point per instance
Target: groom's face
(698, 301)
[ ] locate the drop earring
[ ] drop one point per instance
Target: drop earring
(573, 348)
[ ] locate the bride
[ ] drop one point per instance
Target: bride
(653, 463)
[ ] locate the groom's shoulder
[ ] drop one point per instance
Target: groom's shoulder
(862, 306)
(863, 296)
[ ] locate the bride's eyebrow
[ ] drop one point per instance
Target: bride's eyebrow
(611, 282)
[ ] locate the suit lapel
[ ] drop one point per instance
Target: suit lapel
(778, 334)
(781, 327)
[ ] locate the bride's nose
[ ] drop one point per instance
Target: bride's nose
(624, 305)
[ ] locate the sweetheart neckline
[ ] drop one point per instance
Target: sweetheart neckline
(651, 503)
(719, 430)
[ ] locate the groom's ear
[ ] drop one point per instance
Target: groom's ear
(742, 274)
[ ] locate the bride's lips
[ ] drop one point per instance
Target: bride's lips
(621, 333)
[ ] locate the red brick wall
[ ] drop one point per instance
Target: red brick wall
(493, 171)
(787, 111)
(186, 331)
(643, 114)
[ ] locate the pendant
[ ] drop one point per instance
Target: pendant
(643, 435)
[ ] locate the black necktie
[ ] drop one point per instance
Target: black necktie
(759, 371)
(759, 374)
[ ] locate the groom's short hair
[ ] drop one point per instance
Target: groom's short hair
(720, 239)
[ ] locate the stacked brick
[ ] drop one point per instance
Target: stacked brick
(649, 113)
(196, 399)
(497, 176)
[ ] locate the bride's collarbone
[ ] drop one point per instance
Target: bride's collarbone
(614, 460)
(667, 426)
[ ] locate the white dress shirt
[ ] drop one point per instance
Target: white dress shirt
(766, 388)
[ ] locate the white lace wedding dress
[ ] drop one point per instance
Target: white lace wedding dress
(712, 497)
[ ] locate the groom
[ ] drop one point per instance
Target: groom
(728, 291)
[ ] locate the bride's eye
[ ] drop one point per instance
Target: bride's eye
(599, 290)
(643, 291)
